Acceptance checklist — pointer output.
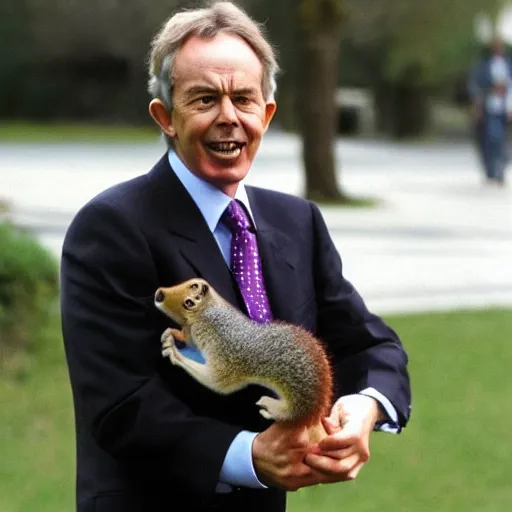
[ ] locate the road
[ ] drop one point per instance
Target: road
(439, 238)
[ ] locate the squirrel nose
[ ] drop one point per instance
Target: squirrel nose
(159, 296)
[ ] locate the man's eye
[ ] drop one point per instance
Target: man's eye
(241, 100)
(206, 100)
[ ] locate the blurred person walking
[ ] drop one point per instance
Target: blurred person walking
(490, 92)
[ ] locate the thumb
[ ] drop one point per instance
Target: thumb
(337, 441)
(331, 426)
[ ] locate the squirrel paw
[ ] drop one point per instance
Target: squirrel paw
(167, 337)
(168, 346)
(270, 408)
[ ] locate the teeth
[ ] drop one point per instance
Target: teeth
(225, 146)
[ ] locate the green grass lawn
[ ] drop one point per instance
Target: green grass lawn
(36, 431)
(456, 453)
(29, 132)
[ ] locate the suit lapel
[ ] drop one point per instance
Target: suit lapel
(189, 232)
(184, 223)
(204, 256)
(278, 257)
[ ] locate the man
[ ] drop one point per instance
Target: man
(490, 92)
(148, 435)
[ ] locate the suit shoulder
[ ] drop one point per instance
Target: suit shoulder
(120, 193)
(282, 199)
(130, 198)
(112, 198)
(283, 211)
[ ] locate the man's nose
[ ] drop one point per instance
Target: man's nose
(227, 114)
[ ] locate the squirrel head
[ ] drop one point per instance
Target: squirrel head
(183, 301)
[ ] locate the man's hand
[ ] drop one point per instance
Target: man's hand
(278, 457)
(340, 456)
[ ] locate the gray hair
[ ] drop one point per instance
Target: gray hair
(206, 23)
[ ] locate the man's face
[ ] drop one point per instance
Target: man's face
(219, 114)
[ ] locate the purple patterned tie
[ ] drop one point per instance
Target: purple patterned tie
(246, 264)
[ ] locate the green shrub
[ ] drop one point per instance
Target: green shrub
(28, 294)
(4, 206)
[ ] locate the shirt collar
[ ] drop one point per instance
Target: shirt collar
(209, 199)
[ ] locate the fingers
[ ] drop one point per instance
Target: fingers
(330, 469)
(343, 440)
(293, 476)
(336, 454)
(283, 457)
(352, 474)
(333, 421)
(340, 457)
(334, 469)
(278, 458)
(331, 425)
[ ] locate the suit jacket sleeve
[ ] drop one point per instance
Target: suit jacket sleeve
(366, 351)
(108, 281)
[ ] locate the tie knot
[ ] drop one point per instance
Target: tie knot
(235, 217)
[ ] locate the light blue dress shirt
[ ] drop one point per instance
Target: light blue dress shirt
(237, 469)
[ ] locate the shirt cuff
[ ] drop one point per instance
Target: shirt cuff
(237, 469)
(392, 426)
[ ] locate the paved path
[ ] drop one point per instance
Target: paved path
(439, 240)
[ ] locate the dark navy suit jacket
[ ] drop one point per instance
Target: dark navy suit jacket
(147, 434)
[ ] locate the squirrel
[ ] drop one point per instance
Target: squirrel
(238, 351)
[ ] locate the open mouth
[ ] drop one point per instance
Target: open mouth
(229, 149)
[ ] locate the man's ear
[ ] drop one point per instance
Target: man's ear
(270, 110)
(162, 117)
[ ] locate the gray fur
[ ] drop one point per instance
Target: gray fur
(259, 353)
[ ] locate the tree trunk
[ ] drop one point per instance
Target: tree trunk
(320, 23)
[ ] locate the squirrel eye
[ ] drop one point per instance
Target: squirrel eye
(188, 304)
(194, 286)
(204, 289)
